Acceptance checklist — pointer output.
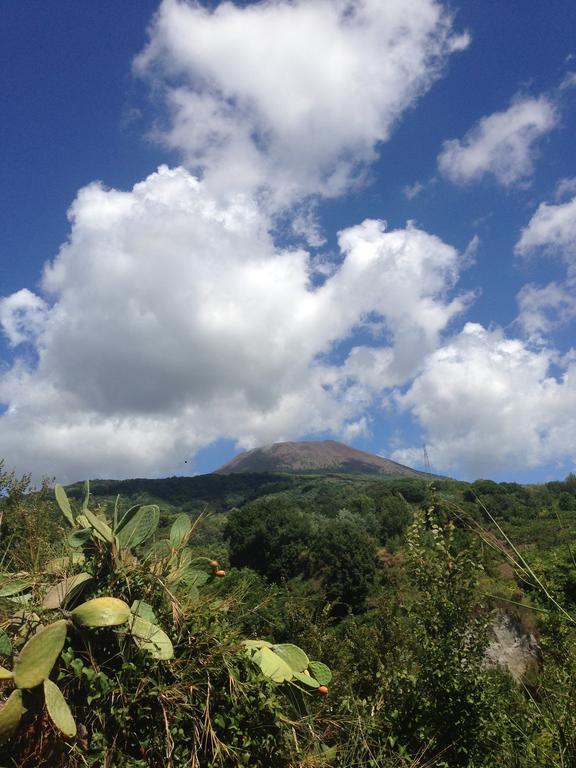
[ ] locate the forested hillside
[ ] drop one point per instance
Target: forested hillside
(290, 620)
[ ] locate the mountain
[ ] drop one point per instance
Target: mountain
(316, 457)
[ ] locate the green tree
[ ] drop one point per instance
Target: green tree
(269, 536)
(344, 558)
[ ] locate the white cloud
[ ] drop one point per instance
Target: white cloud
(487, 402)
(551, 229)
(175, 320)
(544, 308)
(568, 82)
(565, 187)
(502, 144)
(21, 316)
(292, 97)
(411, 191)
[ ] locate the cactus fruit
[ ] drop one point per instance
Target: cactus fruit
(140, 527)
(180, 531)
(58, 709)
(66, 590)
(39, 655)
(151, 638)
(214, 564)
(220, 573)
(10, 715)
(323, 690)
(101, 612)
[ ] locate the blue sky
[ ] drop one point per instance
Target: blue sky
(193, 254)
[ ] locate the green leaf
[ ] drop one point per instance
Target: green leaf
(126, 517)
(140, 527)
(144, 610)
(66, 590)
(64, 503)
(311, 682)
(195, 578)
(180, 530)
(273, 666)
(39, 655)
(79, 537)
(99, 525)
(5, 644)
(293, 656)
(256, 643)
(185, 559)
(101, 612)
(10, 716)
(58, 709)
(62, 564)
(115, 518)
(151, 638)
(320, 671)
(86, 495)
(9, 588)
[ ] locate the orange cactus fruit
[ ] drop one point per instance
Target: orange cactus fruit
(220, 573)
(323, 690)
(214, 563)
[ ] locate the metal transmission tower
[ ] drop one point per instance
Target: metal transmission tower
(426, 459)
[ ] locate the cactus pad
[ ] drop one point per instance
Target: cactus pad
(180, 531)
(10, 716)
(101, 612)
(151, 638)
(58, 709)
(39, 655)
(140, 527)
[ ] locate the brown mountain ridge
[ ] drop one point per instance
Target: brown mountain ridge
(316, 457)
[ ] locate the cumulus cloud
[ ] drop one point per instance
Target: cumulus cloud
(552, 229)
(487, 402)
(565, 187)
(170, 318)
(502, 144)
(542, 308)
(550, 232)
(21, 316)
(291, 98)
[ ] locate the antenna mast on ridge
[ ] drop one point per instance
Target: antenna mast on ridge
(426, 459)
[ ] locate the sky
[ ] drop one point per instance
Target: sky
(225, 225)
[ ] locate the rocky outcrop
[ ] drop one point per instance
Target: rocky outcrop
(512, 646)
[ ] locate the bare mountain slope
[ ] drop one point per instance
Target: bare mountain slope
(322, 456)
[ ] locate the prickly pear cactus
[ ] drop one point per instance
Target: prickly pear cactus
(10, 715)
(39, 655)
(287, 663)
(58, 709)
(101, 612)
